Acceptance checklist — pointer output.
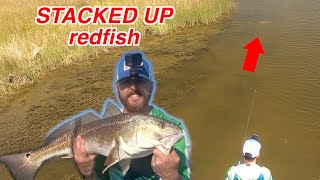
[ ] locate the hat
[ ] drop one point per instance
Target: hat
(123, 71)
(251, 148)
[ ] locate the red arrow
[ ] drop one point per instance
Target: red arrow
(254, 49)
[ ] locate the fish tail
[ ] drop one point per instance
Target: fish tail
(21, 166)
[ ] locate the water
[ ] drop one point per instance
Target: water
(200, 79)
(287, 104)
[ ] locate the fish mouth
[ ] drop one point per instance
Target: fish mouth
(170, 140)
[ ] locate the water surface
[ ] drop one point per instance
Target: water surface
(200, 79)
(287, 80)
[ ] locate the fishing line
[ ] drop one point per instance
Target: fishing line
(248, 121)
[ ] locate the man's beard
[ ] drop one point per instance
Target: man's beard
(135, 107)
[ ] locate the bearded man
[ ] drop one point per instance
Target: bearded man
(134, 85)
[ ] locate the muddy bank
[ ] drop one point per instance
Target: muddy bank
(26, 116)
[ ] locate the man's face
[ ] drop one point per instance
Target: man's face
(135, 94)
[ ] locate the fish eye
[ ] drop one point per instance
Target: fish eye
(28, 155)
(162, 126)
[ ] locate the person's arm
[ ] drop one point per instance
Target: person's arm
(84, 161)
(230, 174)
(266, 173)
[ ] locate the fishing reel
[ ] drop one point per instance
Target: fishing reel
(134, 61)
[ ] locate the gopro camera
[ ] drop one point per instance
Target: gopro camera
(134, 61)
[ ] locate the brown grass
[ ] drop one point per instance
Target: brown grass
(28, 50)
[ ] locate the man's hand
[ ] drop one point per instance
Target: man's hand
(84, 160)
(166, 166)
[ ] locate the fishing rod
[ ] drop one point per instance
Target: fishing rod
(247, 125)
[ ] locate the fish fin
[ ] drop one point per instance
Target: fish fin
(116, 155)
(20, 165)
(128, 150)
(111, 110)
(69, 126)
(112, 158)
(125, 165)
(69, 156)
(88, 117)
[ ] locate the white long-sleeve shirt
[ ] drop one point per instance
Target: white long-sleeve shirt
(248, 172)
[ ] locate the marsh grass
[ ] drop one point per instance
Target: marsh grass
(28, 50)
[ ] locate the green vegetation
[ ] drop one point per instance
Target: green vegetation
(28, 50)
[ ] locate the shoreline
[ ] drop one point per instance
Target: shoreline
(27, 56)
(65, 91)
